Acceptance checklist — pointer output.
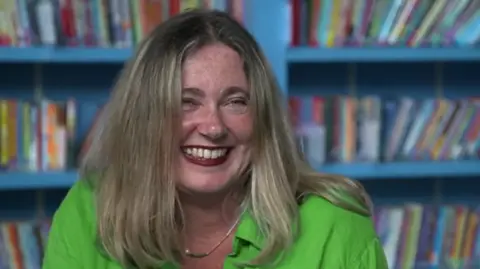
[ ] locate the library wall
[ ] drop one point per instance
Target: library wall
(359, 64)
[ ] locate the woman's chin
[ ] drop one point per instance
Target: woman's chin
(207, 186)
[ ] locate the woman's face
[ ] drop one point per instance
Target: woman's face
(216, 120)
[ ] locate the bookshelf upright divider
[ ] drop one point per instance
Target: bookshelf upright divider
(37, 82)
(439, 88)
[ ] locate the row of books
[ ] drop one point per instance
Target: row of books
(100, 23)
(412, 23)
(345, 129)
(42, 136)
(22, 244)
(37, 136)
(427, 236)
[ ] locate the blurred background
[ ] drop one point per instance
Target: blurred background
(382, 91)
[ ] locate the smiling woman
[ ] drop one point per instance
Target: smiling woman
(194, 165)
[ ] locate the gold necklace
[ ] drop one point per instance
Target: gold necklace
(200, 255)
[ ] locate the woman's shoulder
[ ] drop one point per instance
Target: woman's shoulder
(79, 199)
(315, 207)
(341, 238)
(77, 211)
(77, 208)
(341, 226)
(73, 229)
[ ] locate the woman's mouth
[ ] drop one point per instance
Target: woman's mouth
(206, 156)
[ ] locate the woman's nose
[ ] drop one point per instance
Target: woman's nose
(212, 127)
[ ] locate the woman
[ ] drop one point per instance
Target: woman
(194, 165)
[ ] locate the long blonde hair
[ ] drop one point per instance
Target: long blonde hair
(135, 146)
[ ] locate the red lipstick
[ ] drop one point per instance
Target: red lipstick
(205, 155)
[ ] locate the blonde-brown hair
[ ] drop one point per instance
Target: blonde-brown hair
(135, 145)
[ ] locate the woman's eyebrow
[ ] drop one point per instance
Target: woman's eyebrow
(194, 91)
(234, 90)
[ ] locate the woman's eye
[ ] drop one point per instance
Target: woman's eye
(239, 102)
(237, 105)
(188, 104)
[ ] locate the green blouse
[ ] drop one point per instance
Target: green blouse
(330, 238)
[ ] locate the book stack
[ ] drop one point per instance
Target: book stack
(427, 236)
(93, 23)
(344, 129)
(405, 23)
(36, 136)
(40, 136)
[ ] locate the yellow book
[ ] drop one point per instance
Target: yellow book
(432, 126)
(410, 247)
(189, 4)
(335, 20)
(4, 133)
(462, 214)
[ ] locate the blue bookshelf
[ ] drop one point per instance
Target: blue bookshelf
(404, 170)
(450, 170)
(293, 55)
(15, 181)
(381, 55)
(87, 74)
(64, 55)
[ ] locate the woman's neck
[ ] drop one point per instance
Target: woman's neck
(209, 215)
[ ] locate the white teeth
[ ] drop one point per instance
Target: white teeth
(205, 153)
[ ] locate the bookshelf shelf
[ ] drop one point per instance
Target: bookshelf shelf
(377, 54)
(404, 170)
(63, 55)
(45, 180)
(294, 55)
(360, 171)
